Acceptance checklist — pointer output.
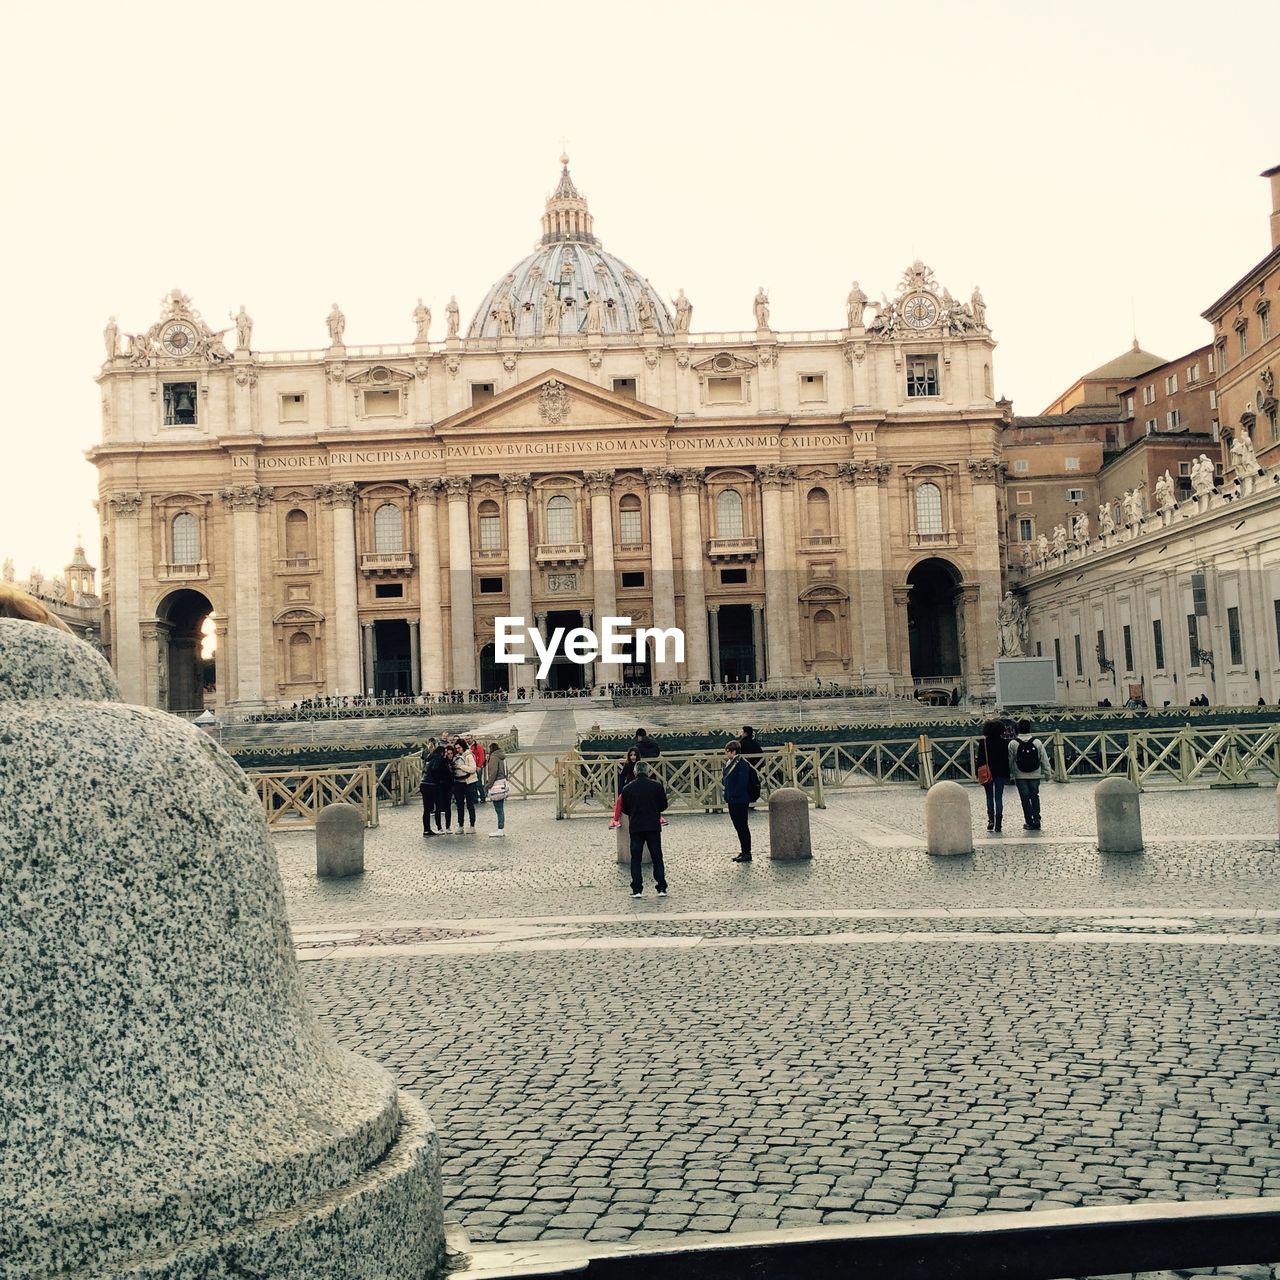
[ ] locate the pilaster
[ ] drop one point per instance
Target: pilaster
(461, 614)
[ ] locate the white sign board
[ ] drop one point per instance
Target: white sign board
(1026, 682)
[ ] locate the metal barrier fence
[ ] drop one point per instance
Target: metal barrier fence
(292, 798)
(692, 778)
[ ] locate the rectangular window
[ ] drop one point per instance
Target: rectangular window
(1200, 594)
(1157, 642)
(293, 408)
(1149, 393)
(1193, 374)
(1193, 641)
(1151, 426)
(1073, 464)
(490, 533)
(1079, 656)
(1233, 636)
(179, 404)
(1057, 650)
(1211, 363)
(1021, 466)
(1213, 399)
(1101, 649)
(733, 577)
(1128, 406)
(388, 591)
(629, 527)
(724, 390)
(1264, 318)
(1026, 529)
(1126, 633)
(1075, 495)
(1173, 420)
(813, 388)
(633, 578)
(382, 403)
(490, 586)
(1171, 385)
(1184, 468)
(1243, 331)
(1039, 650)
(1024, 497)
(922, 376)
(625, 387)
(481, 391)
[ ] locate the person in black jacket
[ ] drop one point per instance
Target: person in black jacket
(427, 789)
(643, 801)
(748, 744)
(646, 747)
(993, 751)
(439, 773)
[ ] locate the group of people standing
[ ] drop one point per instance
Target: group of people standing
(643, 799)
(1009, 752)
(459, 773)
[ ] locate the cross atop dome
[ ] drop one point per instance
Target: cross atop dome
(567, 216)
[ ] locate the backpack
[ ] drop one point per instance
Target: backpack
(753, 784)
(1027, 756)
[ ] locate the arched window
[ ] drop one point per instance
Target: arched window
(388, 529)
(559, 520)
(928, 509)
(490, 521)
(729, 514)
(295, 535)
(629, 529)
(301, 657)
(818, 513)
(186, 538)
(825, 644)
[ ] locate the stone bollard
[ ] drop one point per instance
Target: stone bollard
(1115, 801)
(789, 825)
(173, 1107)
(624, 845)
(339, 841)
(948, 820)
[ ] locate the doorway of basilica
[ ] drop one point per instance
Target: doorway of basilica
(493, 678)
(392, 662)
(189, 665)
(737, 652)
(565, 673)
(932, 623)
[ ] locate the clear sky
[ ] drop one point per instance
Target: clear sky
(1092, 166)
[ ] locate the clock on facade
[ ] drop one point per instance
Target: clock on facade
(920, 310)
(179, 338)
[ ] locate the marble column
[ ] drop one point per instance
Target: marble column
(986, 474)
(429, 651)
(757, 639)
(519, 572)
(415, 659)
(461, 617)
(778, 575)
(867, 558)
(339, 498)
(902, 631)
(663, 564)
(714, 615)
(604, 580)
(370, 652)
(697, 666)
(244, 501)
(125, 601)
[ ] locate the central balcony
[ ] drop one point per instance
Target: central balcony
(560, 552)
(376, 563)
(733, 548)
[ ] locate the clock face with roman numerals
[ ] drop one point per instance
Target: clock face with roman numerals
(920, 310)
(179, 338)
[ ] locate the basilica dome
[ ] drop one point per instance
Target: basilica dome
(569, 285)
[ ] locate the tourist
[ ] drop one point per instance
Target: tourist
(427, 789)
(625, 775)
(437, 769)
(497, 786)
(748, 744)
(993, 769)
(741, 787)
(477, 750)
(1028, 765)
(646, 746)
(464, 785)
(643, 801)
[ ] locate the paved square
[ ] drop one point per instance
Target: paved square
(873, 1033)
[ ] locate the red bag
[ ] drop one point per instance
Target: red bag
(984, 774)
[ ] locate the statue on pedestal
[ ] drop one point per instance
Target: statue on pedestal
(1059, 540)
(645, 314)
(1042, 550)
(855, 305)
(594, 318)
(337, 324)
(1202, 476)
(1243, 457)
(504, 315)
(1011, 618)
(451, 318)
(551, 311)
(244, 329)
(1165, 497)
(1080, 529)
(111, 337)
(761, 305)
(1106, 520)
(978, 307)
(1132, 506)
(684, 312)
(422, 321)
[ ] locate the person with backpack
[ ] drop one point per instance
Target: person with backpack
(1028, 765)
(741, 788)
(993, 768)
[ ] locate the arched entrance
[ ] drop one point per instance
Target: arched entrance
(188, 672)
(933, 621)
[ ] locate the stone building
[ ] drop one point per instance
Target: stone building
(73, 596)
(354, 518)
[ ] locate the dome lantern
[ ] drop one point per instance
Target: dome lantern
(567, 216)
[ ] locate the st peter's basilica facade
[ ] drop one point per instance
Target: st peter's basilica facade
(818, 505)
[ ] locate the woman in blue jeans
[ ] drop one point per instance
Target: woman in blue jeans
(993, 752)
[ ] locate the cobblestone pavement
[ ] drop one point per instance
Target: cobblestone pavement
(875, 1033)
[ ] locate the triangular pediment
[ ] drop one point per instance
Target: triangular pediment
(380, 375)
(555, 401)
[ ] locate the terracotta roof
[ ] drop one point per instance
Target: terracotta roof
(1132, 364)
(1081, 417)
